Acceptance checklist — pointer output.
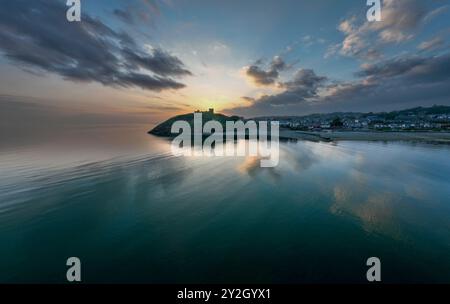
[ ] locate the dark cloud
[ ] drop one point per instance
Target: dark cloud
(391, 68)
(400, 82)
(277, 64)
(260, 76)
(303, 86)
(145, 81)
(37, 35)
(396, 83)
(305, 78)
(246, 98)
(346, 91)
(266, 77)
(138, 11)
(124, 15)
(410, 69)
(159, 62)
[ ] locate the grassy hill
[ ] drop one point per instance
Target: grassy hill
(163, 129)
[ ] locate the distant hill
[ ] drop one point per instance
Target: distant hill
(163, 129)
(418, 112)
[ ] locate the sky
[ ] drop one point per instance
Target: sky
(143, 61)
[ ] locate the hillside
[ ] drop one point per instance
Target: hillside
(412, 113)
(163, 129)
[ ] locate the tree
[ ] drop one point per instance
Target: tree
(337, 123)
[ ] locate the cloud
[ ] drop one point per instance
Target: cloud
(124, 15)
(136, 11)
(432, 44)
(217, 47)
(399, 23)
(36, 35)
(390, 35)
(347, 26)
(399, 18)
(411, 69)
(159, 62)
(277, 64)
(303, 86)
(355, 43)
(263, 77)
(147, 82)
(247, 98)
(436, 12)
(308, 40)
(398, 82)
(332, 50)
(305, 79)
(403, 80)
(337, 92)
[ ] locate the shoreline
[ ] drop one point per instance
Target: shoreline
(331, 136)
(435, 137)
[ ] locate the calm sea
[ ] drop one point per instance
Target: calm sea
(132, 212)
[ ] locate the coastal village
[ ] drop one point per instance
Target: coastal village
(436, 118)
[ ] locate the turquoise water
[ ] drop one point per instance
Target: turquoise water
(132, 212)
